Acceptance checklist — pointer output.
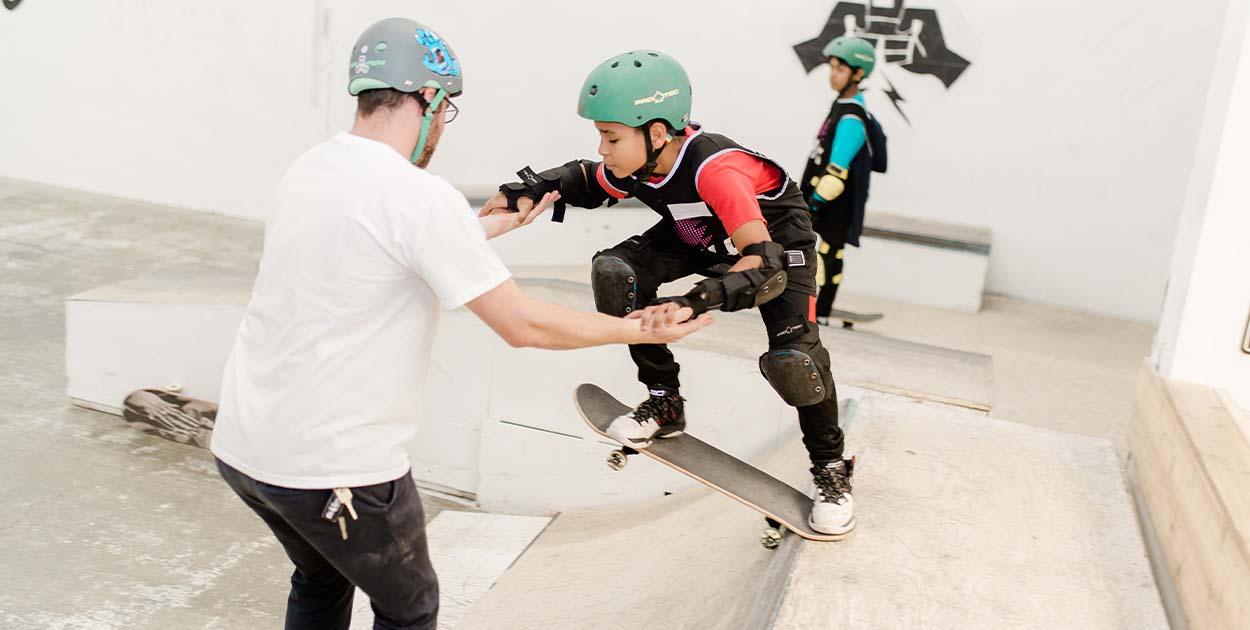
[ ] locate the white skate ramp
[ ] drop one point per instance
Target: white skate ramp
(691, 560)
(969, 522)
(965, 522)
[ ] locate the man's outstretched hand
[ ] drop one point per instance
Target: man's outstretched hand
(497, 220)
(668, 322)
(498, 203)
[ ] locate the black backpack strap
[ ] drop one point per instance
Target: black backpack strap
(874, 134)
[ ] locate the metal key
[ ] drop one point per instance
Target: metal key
(345, 495)
(343, 527)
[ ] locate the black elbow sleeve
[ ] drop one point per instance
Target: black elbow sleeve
(573, 180)
(578, 185)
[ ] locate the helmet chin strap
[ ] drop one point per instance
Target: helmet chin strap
(850, 81)
(426, 120)
(643, 174)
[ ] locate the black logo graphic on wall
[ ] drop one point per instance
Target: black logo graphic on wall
(906, 38)
(11, 4)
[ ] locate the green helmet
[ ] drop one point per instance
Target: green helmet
(405, 55)
(854, 52)
(637, 87)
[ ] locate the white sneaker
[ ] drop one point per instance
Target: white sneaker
(662, 415)
(833, 507)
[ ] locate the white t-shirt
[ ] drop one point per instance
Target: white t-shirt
(323, 386)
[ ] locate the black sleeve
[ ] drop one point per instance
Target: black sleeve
(578, 184)
(575, 180)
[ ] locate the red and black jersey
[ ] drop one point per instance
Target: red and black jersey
(714, 187)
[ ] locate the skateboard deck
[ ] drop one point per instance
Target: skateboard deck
(779, 502)
(171, 415)
(850, 318)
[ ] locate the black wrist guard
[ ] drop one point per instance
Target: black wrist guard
(740, 290)
(534, 186)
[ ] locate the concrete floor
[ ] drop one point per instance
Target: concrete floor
(109, 528)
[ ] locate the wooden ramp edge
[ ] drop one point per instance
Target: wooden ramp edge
(1192, 464)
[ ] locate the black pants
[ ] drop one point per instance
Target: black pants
(385, 553)
(831, 259)
(658, 256)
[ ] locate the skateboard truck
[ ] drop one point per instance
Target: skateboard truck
(771, 537)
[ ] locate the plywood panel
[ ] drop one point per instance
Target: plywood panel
(1194, 467)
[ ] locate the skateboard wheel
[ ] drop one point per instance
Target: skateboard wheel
(771, 538)
(617, 460)
(173, 388)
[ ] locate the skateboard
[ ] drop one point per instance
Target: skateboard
(849, 319)
(171, 415)
(784, 508)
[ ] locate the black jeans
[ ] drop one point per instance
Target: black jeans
(658, 256)
(385, 553)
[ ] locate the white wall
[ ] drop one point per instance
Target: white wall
(1070, 136)
(196, 104)
(1208, 301)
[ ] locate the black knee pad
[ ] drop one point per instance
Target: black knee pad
(795, 375)
(615, 285)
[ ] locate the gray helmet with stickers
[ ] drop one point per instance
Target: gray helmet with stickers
(405, 55)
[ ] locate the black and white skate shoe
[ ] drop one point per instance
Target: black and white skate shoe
(662, 415)
(833, 508)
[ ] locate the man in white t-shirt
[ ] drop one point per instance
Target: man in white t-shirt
(322, 389)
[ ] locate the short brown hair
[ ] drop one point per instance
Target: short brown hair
(370, 101)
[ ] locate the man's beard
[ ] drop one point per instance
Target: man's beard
(423, 160)
(427, 152)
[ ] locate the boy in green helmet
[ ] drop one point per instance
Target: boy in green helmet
(711, 194)
(835, 179)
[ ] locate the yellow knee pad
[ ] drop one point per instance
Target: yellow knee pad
(831, 184)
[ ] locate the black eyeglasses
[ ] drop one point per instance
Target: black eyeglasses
(449, 114)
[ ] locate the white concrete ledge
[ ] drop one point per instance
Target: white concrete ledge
(499, 423)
